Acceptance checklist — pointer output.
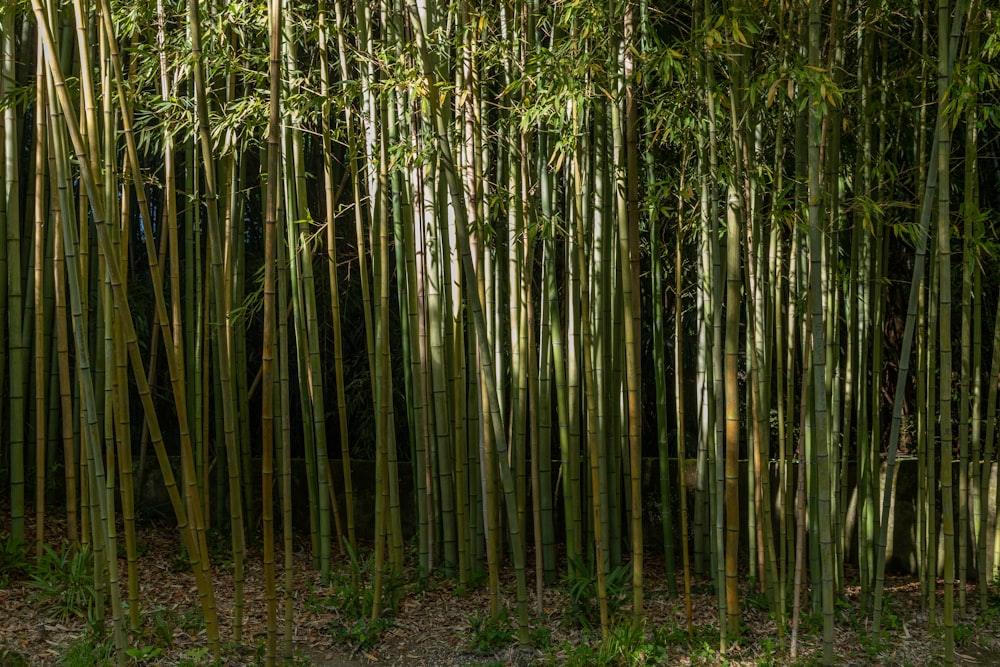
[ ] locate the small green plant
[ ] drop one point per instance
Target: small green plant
(578, 656)
(488, 633)
(64, 582)
(769, 652)
(143, 654)
(349, 594)
(191, 622)
(872, 644)
(581, 585)
(540, 637)
(13, 560)
(626, 645)
(705, 652)
(963, 633)
(91, 650)
(669, 635)
(354, 601)
(363, 633)
(163, 622)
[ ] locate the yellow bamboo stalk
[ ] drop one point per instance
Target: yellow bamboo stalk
(40, 208)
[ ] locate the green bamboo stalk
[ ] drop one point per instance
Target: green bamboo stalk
(595, 453)
(703, 306)
(7, 165)
(416, 274)
(819, 360)
(529, 362)
(628, 235)
(717, 439)
(304, 310)
(760, 408)
(943, 139)
(63, 363)
(660, 383)
(596, 336)
(441, 445)
(681, 429)
(545, 367)
(17, 349)
(335, 297)
(268, 351)
(566, 442)
(967, 501)
(331, 237)
(470, 153)
(933, 429)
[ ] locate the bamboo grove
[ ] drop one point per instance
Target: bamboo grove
(518, 248)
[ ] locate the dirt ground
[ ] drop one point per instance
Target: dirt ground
(436, 624)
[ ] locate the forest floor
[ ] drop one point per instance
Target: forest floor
(438, 624)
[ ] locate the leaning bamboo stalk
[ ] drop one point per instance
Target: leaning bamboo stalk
(133, 169)
(930, 188)
(98, 481)
(72, 259)
(174, 367)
